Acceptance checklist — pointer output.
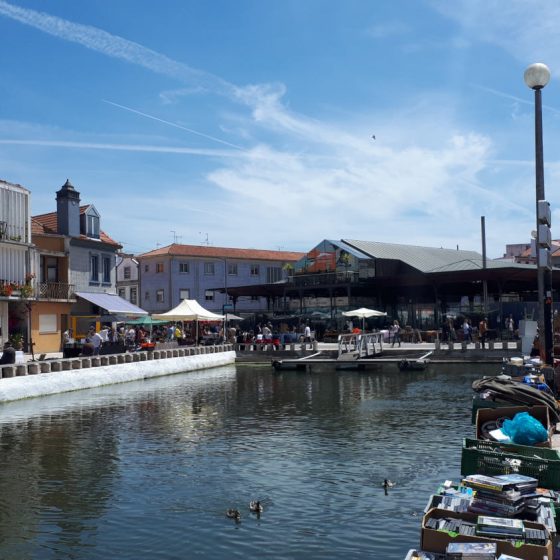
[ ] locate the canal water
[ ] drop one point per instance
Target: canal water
(147, 469)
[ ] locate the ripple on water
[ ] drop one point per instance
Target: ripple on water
(150, 471)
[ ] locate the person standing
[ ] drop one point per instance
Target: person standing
(307, 334)
(483, 331)
(510, 327)
(467, 331)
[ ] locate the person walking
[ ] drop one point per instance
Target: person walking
(467, 331)
(483, 331)
(396, 333)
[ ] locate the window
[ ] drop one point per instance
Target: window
(254, 298)
(47, 323)
(209, 295)
(208, 268)
(94, 268)
(133, 295)
(107, 270)
(273, 274)
(232, 269)
(146, 268)
(127, 272)
(159, 267)
(160, 296)
(122, 293)
(184, 268)
(185, 293)
(50, 273)
(146, 296)
(255, 270)
(92, 225)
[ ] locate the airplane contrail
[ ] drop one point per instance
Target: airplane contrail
(173, 124)
(123, 147)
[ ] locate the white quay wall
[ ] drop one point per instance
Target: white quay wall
(29, 386)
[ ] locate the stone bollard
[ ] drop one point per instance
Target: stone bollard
(8, 371)
(121, 358)
(76, 364)
(170, 353)
(438, 345)
(86, 363)
(464, 346)
(155, 354)
(45, 367)
(292, 347)
(451, 345)
(21, 370)
(56, 365)
(490, 345)
(143, 356)
(96, 361)
(113, 359)
(477, 345)
(104, 360)
(136, 357)
(33, 368)
(149, 355)
(128, 358)
(66, 365)
(175, 353)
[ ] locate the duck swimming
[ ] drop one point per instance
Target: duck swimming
(256, 507)
(233, 514)
(388, 484)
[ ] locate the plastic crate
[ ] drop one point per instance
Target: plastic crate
(525, 450)
(484, 461)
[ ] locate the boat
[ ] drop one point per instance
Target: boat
(419, 364)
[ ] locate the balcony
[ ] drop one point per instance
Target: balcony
(55, 291)
(324, 278)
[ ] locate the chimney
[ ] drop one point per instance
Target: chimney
(68, 210)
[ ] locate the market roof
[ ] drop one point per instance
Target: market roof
(429, 259)
(177, 249)
(48, 224)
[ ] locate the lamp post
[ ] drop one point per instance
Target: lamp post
(536, 77)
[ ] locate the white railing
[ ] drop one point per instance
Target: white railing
(362, 345)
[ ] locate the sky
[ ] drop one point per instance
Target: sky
(274, 125)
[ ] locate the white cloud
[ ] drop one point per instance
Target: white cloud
(526, 29)
(388, 29)
(420, 181)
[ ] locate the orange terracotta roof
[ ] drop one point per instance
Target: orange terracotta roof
(177, 249)
(48, 224)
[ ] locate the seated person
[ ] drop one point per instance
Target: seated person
(88, 349)
(9, 355)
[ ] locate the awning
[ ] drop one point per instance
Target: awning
(113, 304)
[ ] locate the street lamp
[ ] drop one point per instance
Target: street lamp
(536, 77)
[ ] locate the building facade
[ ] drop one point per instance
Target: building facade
(75, 260)
(16, 262)
(171, 274)
(128, 278)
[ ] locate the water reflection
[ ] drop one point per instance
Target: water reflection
(145, 469)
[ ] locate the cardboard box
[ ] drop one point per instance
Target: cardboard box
(437, 541)
(539, 412)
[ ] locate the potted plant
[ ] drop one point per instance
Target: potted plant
(16, 339)
(6, 289)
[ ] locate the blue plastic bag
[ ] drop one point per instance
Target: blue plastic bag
(524, 429)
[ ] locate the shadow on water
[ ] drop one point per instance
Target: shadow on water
(148, 469)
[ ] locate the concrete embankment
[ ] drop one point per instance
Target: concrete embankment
(85, 373)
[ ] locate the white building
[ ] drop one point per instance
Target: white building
(15, 259)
